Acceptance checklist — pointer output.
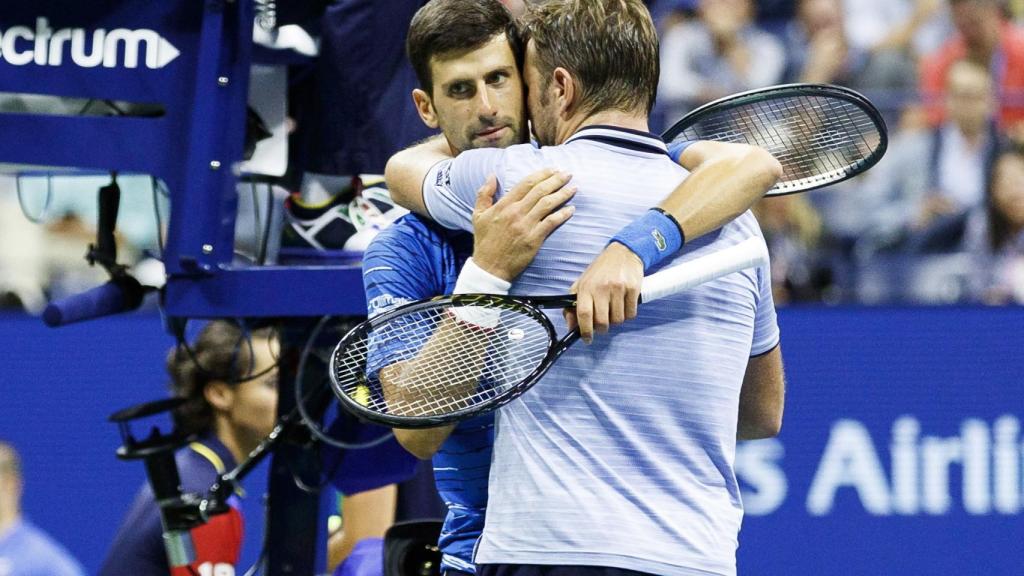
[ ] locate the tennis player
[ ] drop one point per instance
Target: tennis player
(470, 89)
(635, 435)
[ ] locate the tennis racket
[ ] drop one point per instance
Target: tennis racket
(821, 134)
(449, 358)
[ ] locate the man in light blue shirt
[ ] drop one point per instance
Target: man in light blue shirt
(25, 550)
(621, 458)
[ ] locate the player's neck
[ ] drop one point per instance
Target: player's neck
(616, 118)
(9, 516)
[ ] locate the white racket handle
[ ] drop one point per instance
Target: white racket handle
(747, 254)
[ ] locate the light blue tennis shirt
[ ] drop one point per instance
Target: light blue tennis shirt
(622, 456)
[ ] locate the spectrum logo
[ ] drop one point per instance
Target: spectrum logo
(44, 46)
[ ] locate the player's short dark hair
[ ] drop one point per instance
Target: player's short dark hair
(454, 27)
(609, 46)
(222, 353)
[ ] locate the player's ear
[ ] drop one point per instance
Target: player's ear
(566, 90)
(220, 395)
(425, 107)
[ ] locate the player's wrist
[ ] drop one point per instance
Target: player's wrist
(653, 237)
(475, 280)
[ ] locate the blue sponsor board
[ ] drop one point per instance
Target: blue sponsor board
(135, 52)
(901, 450)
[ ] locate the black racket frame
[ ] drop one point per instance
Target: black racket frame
(784, 91)
(529, 306)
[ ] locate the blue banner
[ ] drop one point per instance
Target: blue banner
(109, 49)
(901, 450)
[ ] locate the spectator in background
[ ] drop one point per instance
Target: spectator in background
(229, 378)
(719, 53)
(984, 37)
(24, 549)
(998, 238)
(893, 34)
(943, 171)
(816, 45)
(792, 230)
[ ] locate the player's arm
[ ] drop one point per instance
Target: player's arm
(363, 515)
(725, 180)
(406, 171)
(762, 397)
(397, 269)
(426, 179)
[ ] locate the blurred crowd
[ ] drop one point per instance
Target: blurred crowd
(939, 220)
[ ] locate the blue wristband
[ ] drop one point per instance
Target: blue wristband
(653, 237)
(676, 149)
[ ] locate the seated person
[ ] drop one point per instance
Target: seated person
(230, 383)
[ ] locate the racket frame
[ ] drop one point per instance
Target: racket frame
(747, 254)
(797, 89)
(529, 306)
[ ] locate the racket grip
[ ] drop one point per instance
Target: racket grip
(120, 295)
(747, 254)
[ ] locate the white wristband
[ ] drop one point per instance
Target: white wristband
(475, 280)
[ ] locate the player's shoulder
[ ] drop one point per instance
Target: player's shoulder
(516, 153)
(412, 234)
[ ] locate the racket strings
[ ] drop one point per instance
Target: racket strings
(430, 363)
(814, 138)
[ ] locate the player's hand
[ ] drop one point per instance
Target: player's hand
(508, 233)
(607, 293)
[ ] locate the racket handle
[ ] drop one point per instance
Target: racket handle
(119, 295)
(747, 254)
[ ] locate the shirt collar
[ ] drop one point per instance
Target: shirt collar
(622, 138)
(212, 444)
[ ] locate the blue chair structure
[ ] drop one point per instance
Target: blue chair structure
(185, 64)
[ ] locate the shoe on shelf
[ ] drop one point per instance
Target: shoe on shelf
(342, 227)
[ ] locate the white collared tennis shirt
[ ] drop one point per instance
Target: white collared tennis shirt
(622, 456)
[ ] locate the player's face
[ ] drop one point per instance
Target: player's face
(254, 407)
(543, 116)
(478, 97)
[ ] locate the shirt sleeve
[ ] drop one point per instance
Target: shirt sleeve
(449, 189)
(766, 326)
(397, 270)
(399, 266)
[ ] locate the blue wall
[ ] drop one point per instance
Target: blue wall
(937, 391)
(57, 387)
(866, 384)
